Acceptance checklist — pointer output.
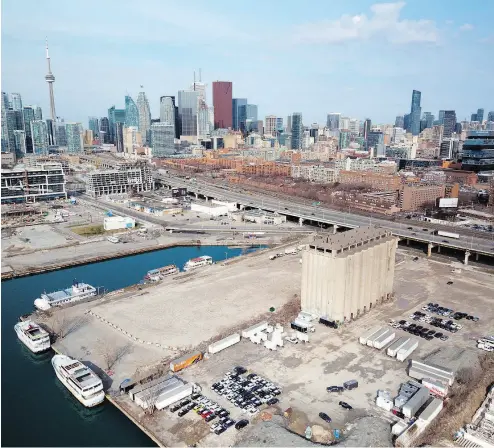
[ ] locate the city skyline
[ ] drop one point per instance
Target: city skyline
(345, 83)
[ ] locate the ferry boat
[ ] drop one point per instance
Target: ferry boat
(79, 379)
(157, 274)
(78, 291)
(198, 262)
(33, 336)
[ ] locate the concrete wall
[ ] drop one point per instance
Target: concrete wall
(343, 286)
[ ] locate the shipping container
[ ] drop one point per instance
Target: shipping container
(248, 332)
(436, 387)
(396, 345)
(216, 347)
(173, 396)
(434, 369)
(364, 338)
(405, 351)
(431, 411)
(378, 334)
(411, 407)
(384, 340)
(185, 361)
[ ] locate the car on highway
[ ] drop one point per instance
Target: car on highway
(409, 228)
(444, 241)
(325, 417)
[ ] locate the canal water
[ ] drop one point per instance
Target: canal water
(37, 410)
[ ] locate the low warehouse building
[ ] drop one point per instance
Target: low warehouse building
(261, 217)
(118, 222)
(209, 209)
(346, 274)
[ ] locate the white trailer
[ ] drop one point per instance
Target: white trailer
(405, 351)
(385, 339)
(257, 328)
(448, 234)
(363, 339)
(437, 370)
(290, 251)
(224, 343)
(436, 387)
(378, 334)
(396, 345)
(304, 337)
(173, 396)
(420, 373)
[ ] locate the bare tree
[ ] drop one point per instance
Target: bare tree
(111, 354)
(62, 325)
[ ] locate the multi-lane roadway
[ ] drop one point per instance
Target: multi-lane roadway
(322, 215)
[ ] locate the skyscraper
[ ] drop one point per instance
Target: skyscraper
(60, 134)
(367, 128)
(236, 103)
(40, 137)
(449, 123)
(38, 113)
(473, 117)
(187, 111)
(480, 115)
(344, 139)
(490, 116)
(279, 125)
(333, 121)
(162, 139)
(429, 119)
(15, 122)
(131, 112)
(199, 87)
(50, 129)
(376, 140)
(407, 122)
(441, 117)
(270, 124)
(222, 103)
(297, 130)
(50, 79)
(132, 139)
(104, 130)
(75, 143)
(5, 108)
(94, 126)
(144, 117)
(20, 143)
(119, 142)
(247, 116)
(115, 116)
(203, 128)
(415, 113)
(16, 101)
(169, 113)
(399, 122)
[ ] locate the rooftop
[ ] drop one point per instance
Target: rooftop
(340, 241)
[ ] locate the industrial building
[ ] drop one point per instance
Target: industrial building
(125, 178)
(31, 184)
(118, 222)
(258, 216)
(346, 274)
(214, 207)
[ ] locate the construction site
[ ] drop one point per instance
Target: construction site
(147, 333)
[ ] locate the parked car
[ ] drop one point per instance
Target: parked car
(325, 417)
(335, 389)
(182, 412)
(345, 405)
(241, 424)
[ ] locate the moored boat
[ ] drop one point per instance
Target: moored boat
(155, 275)
(204, 260)
(33, 336)
(78, 291)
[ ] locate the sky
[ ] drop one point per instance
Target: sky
(356, 57)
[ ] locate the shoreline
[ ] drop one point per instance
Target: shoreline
(10, 275)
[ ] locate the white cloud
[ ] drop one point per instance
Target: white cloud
(449, 22)
(384, 21)
(466, 27)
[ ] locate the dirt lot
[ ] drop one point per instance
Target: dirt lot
(189, 312)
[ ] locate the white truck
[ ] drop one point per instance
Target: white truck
(224, 343)
(290, 251)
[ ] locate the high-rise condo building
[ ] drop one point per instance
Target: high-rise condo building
(297, 130)
(50, 129)
(20, 143)
(222, 103)
(75, 142)
(333, 121)
(415, 113)
(449, 123)
(115, 116)
(104, 130)
(94, 125)
(131, 112)
(132, 139)
(248, 117)
(478, 151)
(480, 115)
(236, 103)
(5, 108)
(119, 133)
(400, 122)
(40, 137)
(169, 113)
(270, 124)
(144, 117)
(60, 133)
(162, 139)
(440, 117)
(16, 101)
(187, 112)
(490, 116)
(15, 122)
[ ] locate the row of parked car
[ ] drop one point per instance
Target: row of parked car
(247, 392)
(448, 312)
(418, 330)
(209, 411)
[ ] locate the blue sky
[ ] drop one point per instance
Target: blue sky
(360, 58)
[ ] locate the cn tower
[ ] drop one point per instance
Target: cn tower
(50, 79)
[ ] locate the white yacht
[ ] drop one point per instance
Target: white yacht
(79, 379)
(198, 262)
(33, 336)
(78, 291)
(158, 274)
